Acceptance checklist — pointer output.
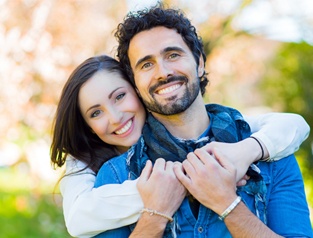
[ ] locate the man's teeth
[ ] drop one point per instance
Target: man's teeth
(125, 128)
(168, 89)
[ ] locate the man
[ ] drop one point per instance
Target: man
(162, 52)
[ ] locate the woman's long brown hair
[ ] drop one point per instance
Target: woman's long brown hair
(71, 134)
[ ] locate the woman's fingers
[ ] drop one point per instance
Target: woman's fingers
(146, 172)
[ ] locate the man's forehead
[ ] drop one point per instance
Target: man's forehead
(153, 41)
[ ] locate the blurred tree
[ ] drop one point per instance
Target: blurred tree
(288, 86)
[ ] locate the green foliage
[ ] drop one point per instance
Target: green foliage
(288, 86)
(28, 213)
(289, 79)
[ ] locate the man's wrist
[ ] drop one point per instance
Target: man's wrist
(230, 208)
(157, 223)
(149, 226)
(155, 212)
(223, 203)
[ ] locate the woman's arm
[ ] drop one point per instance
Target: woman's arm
(281, 133)
(88, 210)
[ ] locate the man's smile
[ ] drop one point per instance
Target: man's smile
(169, 89)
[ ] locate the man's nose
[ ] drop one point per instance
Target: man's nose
(163, 71)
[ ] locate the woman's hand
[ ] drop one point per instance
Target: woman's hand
(241, 154)
(159, 187)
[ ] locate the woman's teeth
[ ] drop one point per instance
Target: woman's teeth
(124, 128)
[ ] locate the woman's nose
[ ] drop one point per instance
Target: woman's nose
(115, 116)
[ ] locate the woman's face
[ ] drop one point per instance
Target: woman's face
(111, 108)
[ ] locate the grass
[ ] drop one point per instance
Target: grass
(27, 210)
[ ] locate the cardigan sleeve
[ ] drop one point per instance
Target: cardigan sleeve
(282, 133)
(89, 211)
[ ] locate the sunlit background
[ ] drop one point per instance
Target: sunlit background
(260, 59)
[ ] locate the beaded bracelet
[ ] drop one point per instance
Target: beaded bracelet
(230, 208)
(154, 212)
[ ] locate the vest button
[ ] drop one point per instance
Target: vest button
(200, 229)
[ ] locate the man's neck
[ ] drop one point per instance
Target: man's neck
(189, 124)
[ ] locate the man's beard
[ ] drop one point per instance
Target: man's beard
(174, 105)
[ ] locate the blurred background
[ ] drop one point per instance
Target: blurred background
(260, 59)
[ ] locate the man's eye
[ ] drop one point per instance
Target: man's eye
(120, 96)
(174, 55)
(95, 114)
(146, 65)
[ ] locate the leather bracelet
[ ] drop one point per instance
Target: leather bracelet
(154, 212)
(259, 145)
(230, 208)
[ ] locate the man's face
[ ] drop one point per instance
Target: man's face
(165, 71)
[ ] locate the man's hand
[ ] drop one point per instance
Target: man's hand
(211, 180)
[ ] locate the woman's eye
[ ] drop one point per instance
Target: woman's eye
(120, 96)
(95, 114)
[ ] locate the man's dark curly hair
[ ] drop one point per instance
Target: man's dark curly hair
(136, 22)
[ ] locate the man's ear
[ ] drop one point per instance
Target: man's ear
(138, 93)
(201, 66)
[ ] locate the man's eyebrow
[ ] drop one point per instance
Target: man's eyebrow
(172, 48)
(165, 50)
(143, 60)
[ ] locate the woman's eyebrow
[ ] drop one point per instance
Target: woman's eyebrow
(92, 107)
(110, 95)
(98, 105)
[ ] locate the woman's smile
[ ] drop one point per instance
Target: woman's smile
(125, 128)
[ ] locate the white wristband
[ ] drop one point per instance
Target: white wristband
(230, 208)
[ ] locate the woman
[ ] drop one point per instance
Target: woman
(99, 116)
(86, 126)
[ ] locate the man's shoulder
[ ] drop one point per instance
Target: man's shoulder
(119, 161)
(112, 171)
(279, 168)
